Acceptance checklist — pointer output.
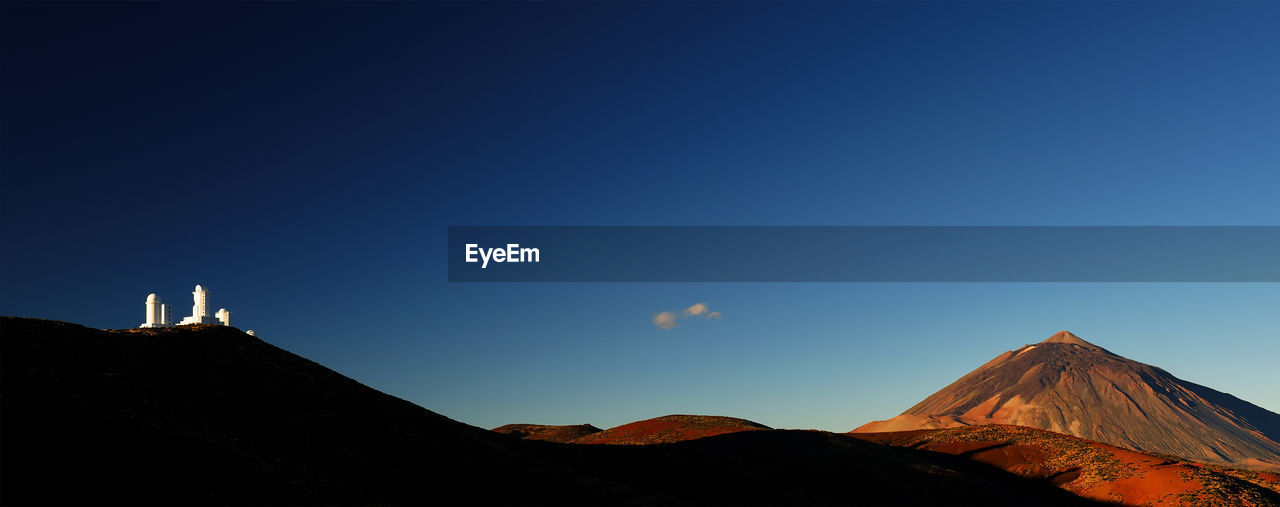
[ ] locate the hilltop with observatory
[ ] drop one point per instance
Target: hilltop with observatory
(160, 314)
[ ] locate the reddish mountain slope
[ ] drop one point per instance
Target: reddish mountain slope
(671, 428)
(1069, 385)
(1093, 470)
(546, 432)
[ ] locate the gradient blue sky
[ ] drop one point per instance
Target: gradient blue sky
(303, 160)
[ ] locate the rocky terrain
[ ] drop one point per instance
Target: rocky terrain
(1094, 470)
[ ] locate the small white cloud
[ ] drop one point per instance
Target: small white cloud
(697, 309)
(665, 320)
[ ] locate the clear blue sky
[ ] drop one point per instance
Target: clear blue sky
(303, 160)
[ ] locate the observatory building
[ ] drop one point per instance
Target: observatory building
(160, 315)
(200, 310)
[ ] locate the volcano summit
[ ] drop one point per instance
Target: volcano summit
(1068, 385)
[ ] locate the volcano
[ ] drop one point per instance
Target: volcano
(1068, 385)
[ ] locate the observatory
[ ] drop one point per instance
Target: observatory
(199, 310)
(160, 314)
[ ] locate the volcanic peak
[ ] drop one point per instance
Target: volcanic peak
(1067, 337)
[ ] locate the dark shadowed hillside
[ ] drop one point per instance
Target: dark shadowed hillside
(204, 415)
(209, 414)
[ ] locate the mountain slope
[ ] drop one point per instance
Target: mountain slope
(670, 428)
(548, 433)
(210, 415)
(1069, 385)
